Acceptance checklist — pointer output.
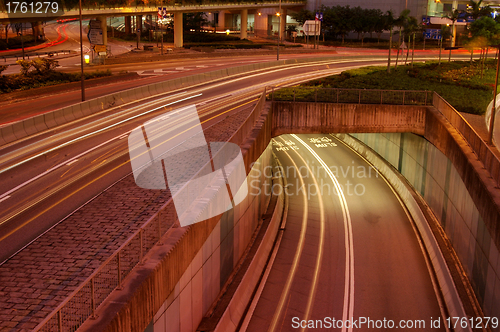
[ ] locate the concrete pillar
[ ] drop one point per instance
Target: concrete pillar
(138, 22)
(104, 27)
(37, 30)
(178, 41)
(244, 23)
(128, 24)
(282, 24)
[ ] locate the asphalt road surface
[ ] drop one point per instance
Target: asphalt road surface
(349, 251)
(47, 176)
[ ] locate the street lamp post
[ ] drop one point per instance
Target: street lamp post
(279, 32)
(81, 52)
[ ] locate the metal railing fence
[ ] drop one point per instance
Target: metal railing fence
(397, 97)
(353, 96)
(83, 302)
(479, 146)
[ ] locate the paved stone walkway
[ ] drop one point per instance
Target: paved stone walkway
(35, 281)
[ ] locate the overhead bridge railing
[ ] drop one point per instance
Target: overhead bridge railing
(484, 152)
(141, 6)
(353, 96)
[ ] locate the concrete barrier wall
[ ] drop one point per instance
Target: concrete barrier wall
(201, 283)
(410, 199)
(438, 181)
(236, 309)
(290, 117)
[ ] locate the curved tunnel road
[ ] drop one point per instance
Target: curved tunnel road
(348, 251)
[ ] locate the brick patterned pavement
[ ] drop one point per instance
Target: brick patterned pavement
(35, 281)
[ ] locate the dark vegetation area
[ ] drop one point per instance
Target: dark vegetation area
(40, 72)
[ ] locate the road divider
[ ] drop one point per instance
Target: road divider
(24, 128)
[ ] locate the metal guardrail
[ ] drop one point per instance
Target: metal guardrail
(33, 55)
(478, 145)
(83, 302)
(353, 96)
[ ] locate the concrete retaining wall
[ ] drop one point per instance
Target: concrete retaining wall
(199, 286)
(236, 308)
(438, 181)
(290, 117)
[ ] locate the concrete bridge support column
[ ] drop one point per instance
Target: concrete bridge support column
(128, 24)
(178, 41)
(104, 27)
(138, 22)
(282, 24)
(244, 24)
(37, 30)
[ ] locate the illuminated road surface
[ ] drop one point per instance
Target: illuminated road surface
(347, 256)
(46, 177)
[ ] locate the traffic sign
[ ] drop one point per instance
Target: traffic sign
(99, 48)
(94, 24)
(432, 34)
(95, 36)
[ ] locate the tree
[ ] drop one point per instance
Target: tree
(194, 21)
(410, 29)
(302, 16)
(389, 24)
(476, 11)
(485, 31)
(453, 16)
(400, 22)
(359, 24)
(345, 20)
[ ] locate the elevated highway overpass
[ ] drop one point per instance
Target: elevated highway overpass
(65, 10)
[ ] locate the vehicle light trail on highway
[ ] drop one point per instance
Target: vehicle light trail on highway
(83, 153)
(6, 219)
(348, 310)
(321, 244)
(296, 258)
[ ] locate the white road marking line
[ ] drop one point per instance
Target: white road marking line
(85, 152)
(348, 311)
(214, 99)
(319, 256)
(296, 258)
(5, 198)
(72, 162)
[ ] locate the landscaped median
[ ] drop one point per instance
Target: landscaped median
(464, 85)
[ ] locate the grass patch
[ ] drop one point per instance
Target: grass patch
(458, 82)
